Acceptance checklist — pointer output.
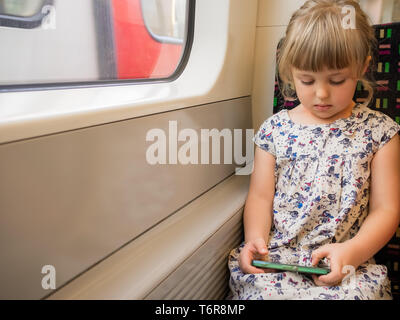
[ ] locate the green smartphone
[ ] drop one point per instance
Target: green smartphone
(289, 267)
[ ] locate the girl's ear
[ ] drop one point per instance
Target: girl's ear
(366, 65)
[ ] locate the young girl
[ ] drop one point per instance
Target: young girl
(326, 181)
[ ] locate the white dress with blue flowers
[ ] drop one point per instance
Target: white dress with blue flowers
(322, 177)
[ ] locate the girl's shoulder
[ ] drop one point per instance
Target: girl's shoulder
(270, 130)
(374, 118)
(379, 127)
(364, 118)
(276, 121)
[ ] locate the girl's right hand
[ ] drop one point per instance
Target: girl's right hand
(253, 250)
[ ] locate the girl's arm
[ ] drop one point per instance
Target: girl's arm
(380, 224)
(257, 217)
(384, 203)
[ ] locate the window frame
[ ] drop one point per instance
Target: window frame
(189, 35)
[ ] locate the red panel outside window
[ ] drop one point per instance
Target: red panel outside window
(138, 54)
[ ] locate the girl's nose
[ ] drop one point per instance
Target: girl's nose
(322, 92)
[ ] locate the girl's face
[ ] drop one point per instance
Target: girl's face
(325, 95)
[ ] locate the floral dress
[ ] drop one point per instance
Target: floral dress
(322, 177)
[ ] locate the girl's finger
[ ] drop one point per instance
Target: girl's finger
(252, 269)
(335, 275)
(318, 254)
(317, 282)
(330, 279)
(245, 262)
(260, 270)
(270, 271)
(249, 268)
(260, 246)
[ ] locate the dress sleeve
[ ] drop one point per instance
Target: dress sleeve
(264, 137)
(386, 130)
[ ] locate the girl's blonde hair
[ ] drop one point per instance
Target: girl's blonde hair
(316, 38)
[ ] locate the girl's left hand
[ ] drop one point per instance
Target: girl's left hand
(340, 255)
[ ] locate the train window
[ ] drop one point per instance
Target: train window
(21, 8)
(25, 14)
(167, 22)
(106, 42)
(382, 11)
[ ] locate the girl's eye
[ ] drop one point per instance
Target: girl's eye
(336, 83)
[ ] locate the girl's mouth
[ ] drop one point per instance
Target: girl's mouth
(322, 107)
